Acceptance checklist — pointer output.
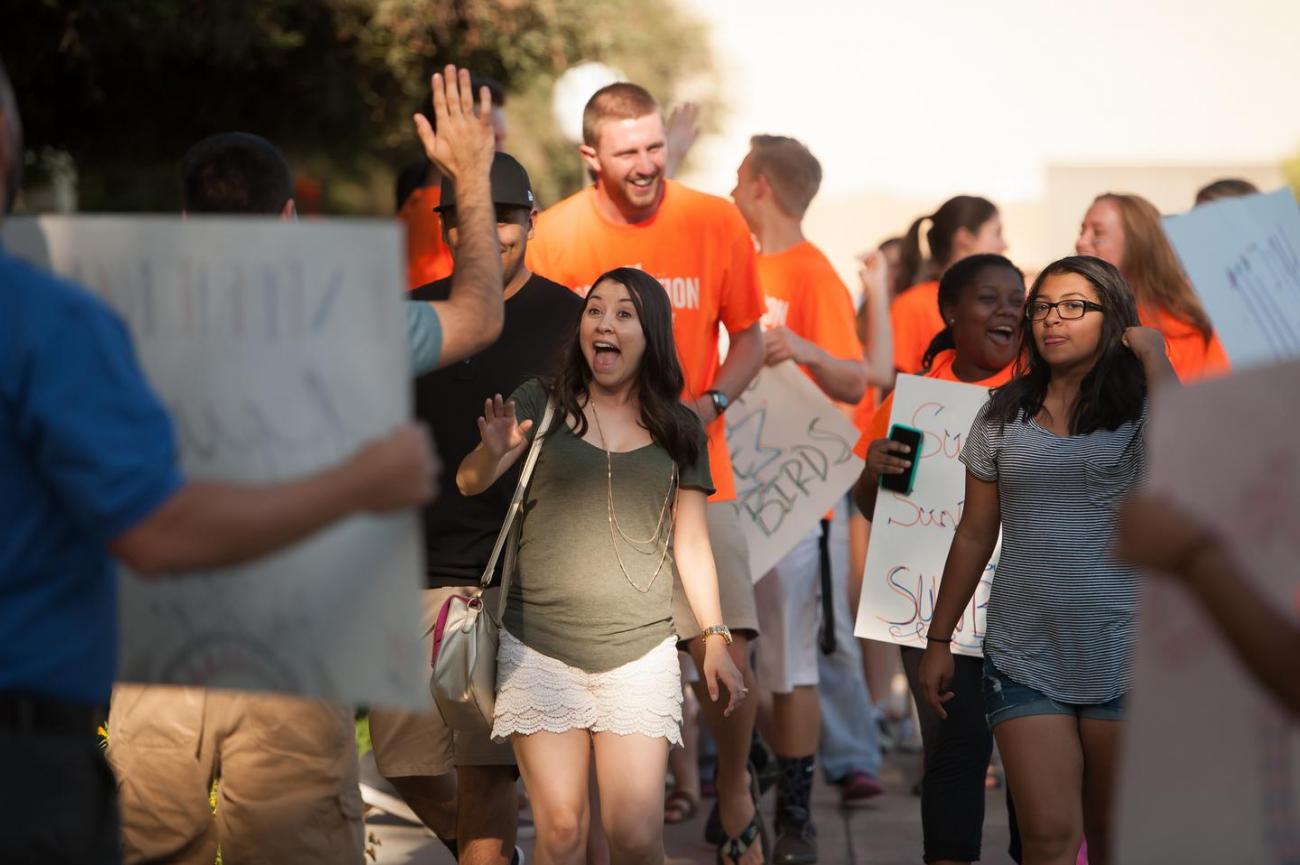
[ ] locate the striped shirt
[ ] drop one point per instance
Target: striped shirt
(1062, 615)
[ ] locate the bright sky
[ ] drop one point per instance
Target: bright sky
(943, 96)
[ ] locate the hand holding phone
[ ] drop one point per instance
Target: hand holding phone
(893, 478)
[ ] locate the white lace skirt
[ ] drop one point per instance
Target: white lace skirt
(536, 693)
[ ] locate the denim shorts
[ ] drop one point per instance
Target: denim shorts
(1005, 699)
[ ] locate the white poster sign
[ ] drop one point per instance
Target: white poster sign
(278, 348)
(792, 454)
(910, 534)
(1243, 257)
(1211, 768)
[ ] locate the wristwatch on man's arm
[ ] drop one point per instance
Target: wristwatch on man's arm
(720, 401)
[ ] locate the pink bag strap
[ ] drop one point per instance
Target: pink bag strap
(510, 526)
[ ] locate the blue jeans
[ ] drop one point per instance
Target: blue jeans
(1005, 699)
(850, 737)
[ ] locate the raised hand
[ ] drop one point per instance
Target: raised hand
(463, 144)
(682, 128)
(874, 275)
(503, 435)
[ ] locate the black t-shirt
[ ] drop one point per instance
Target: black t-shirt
(458, 531)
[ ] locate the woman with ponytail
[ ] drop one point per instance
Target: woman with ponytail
(963, 226)
(982, 302)
(1125, 230)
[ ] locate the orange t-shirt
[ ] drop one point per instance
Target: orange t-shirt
(940, 368)
(698, 247)
(1192, 357)
(804, 293)
(427, 257)
(865, 411)
(915, 317)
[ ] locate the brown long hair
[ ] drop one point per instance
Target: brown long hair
(962, 211)
(1151, 266)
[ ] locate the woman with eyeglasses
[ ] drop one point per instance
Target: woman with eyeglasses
(1048, 459)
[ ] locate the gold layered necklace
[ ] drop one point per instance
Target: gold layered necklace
(663, 528)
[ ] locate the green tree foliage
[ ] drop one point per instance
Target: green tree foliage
(126, 86)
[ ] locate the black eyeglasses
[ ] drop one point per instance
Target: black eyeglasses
(1067, 309)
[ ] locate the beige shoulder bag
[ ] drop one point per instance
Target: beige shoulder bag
(466, 635)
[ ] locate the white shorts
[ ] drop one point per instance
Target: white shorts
(790, 608)
(537, 693)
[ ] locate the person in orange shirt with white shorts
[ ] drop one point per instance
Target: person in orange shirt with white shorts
(699, 249)
(811, 321)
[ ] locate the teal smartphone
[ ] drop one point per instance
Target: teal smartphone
(907, 480)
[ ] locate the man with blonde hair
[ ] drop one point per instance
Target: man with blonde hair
(698, 248)
(810, 320)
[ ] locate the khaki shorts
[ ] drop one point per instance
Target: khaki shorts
(420, 743)
(735, 587)
(288, 769)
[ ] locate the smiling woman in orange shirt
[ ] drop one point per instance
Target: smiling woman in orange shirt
(1125, 230)
(982, 300)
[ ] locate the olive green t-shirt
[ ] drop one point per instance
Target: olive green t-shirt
(569, 598)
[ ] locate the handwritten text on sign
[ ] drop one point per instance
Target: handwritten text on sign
(1166, 812)
(910, 535)
(1243, 257)
(278, 349)
(792, 454)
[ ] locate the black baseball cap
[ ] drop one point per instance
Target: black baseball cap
(510, 185)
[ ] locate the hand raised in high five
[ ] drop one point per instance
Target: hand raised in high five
(463, 144)
(503, 435)
(873, 274)
(682, 128)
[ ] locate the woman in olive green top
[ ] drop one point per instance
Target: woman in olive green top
(588, 658)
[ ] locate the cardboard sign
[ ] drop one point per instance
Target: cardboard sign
(1243, 257)
(910, 535)
(278, 348)
(1211, 769)
(792, 454)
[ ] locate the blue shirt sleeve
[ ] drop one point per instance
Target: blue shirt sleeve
(98, 435)
(424, 334)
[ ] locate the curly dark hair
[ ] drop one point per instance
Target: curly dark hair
(1113, 391)
(659, 380)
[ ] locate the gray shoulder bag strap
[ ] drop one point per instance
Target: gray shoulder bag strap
(508, 537)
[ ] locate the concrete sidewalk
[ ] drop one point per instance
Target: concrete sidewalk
(884, 831)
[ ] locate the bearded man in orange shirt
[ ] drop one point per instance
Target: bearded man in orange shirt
(700, 250)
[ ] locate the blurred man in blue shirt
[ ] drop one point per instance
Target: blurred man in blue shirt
(89, 473)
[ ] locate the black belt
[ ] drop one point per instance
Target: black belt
(28, 714)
